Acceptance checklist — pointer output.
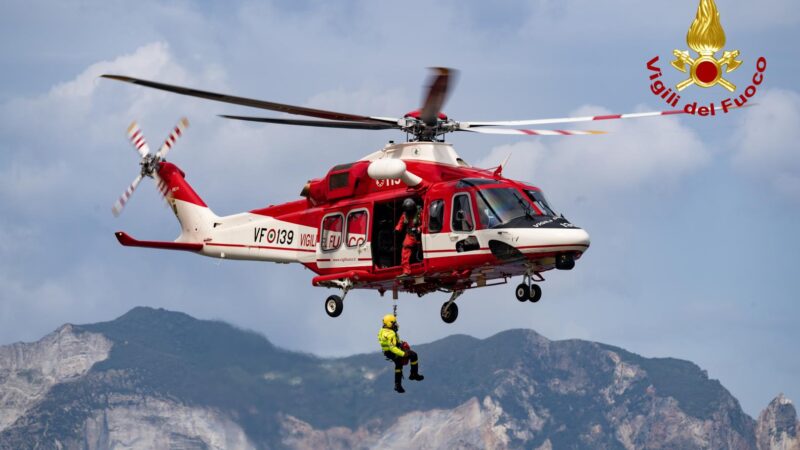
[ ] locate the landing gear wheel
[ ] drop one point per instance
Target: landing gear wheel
(535, 293)
(523, 292)
(334, 306)
(449, 312)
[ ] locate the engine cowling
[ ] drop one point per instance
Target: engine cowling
(390, 169)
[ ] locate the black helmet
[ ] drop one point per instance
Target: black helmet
(409, 206)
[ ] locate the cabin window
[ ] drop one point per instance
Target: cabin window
(435, 216)
(331, 235)
(357, 228)
(462, 213)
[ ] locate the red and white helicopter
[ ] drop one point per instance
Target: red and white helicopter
(478, 228)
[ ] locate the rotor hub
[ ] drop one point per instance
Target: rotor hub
(149, 165)
(416, 115)
(421, 131)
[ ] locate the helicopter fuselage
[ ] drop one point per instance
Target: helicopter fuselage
(477, 228)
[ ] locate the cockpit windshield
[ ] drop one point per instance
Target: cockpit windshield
(541, 203)
(497, 206)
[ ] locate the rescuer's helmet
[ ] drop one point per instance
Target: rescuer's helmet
(409, 206)
(389, 320)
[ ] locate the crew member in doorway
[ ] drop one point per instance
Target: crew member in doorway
(410, 223)
(398, 351)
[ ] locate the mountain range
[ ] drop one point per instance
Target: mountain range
(154, 379)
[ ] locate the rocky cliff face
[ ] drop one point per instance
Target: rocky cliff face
(28, 371)
(135, 422)
(157, 379)
(778, 427)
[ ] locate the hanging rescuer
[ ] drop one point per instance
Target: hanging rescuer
(410, 223)
(398, 351)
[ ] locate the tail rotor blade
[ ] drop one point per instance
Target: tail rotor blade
(123, 199)
(437, 94)
(173, 136)
(137, 139)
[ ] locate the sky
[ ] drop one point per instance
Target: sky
(693, 220)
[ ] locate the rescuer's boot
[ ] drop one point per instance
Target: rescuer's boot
(415, 372)
(398, 381)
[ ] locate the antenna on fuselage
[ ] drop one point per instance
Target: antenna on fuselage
(499, 170)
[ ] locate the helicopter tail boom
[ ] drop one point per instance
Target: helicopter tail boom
(195, 217)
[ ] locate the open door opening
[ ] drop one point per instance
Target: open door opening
(387, 244)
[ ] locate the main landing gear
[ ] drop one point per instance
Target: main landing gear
(449, 311)
(334, 304)
(527, 290)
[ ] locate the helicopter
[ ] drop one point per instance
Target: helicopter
(477, 227)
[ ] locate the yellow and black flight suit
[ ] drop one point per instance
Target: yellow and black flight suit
(389, 341)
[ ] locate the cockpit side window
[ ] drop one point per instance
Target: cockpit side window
(435, 216)
(462, 213)
(497, 206)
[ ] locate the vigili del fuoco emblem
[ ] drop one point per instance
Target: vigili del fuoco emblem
(706, 37)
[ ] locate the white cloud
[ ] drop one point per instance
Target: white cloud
(69, 103)
(635, 152)
(574, 19)
(766, 144)
(149, 61)
(54, 139)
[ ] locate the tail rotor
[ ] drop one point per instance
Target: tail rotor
(149, 161)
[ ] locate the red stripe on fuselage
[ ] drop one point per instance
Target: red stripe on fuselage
(264, 247)
(520, 247)
(556, 245)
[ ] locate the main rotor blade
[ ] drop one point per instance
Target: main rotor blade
(437, 94)
(517, 131)
(518, 123)
(272, 106)
(120, 204)
(316, 123)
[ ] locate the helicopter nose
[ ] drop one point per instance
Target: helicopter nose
(582, 237)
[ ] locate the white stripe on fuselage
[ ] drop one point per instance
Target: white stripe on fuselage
(261, 238)
(526, 240)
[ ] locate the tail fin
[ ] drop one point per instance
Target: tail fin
(196, 219)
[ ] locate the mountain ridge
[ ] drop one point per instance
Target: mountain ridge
(519, 388)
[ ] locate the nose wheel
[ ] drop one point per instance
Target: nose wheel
(522, 292)
(529, 291)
